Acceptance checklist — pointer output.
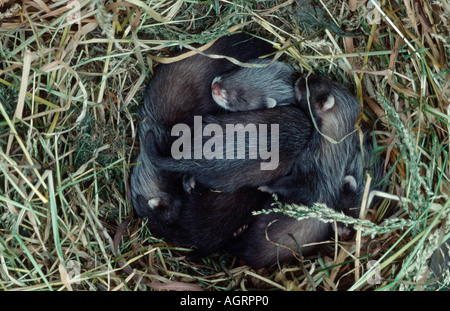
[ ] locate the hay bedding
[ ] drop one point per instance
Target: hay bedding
(71, 80)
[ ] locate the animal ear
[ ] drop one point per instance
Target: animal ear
(328, 103)
(270, 102)
(350, 183)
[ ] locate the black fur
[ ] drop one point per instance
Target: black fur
(208, 220)
(314, 167)
(229, 175)
(285, 234)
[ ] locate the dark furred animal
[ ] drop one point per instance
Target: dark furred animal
(307, 157)
(229, 175)
(176, 92)
(277, 238)
(336, 112)
(246, 89)
(286, 234)
(304, 154)
(208, 220)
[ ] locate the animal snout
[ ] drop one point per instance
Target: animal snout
(218, 93)
(216, 89)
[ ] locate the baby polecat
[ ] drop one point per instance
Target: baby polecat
(209, 220)
(303, 155)
(275, 237)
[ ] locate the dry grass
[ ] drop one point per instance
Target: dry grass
(71, 82)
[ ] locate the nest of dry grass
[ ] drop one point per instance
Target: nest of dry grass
(71, 80)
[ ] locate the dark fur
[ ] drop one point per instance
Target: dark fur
(285, 234)
(277, 238)
(230, 175)
(176, 92)
(274, 238)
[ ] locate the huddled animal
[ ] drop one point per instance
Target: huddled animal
(312, 155)
(208, 202)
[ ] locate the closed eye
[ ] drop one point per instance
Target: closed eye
(241, 99)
